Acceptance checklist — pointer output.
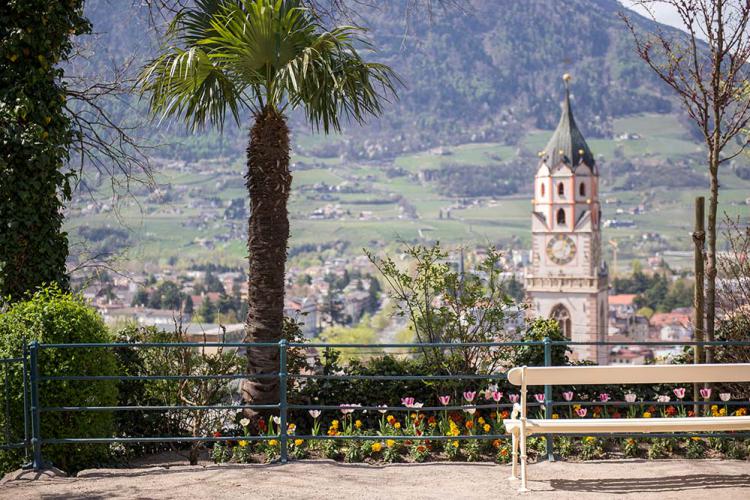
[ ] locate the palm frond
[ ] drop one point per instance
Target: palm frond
(229, 54)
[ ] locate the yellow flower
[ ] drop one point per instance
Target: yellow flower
(358, 424)
(273, 442)
(646, 414)
(555, 416)
(390, 419)
(741, 412)
(694, 438)
(298, 442)
(413, 416)
(397, 425)
(335, 424)
(589, 439)
(487, 427)
(376, 447)
(723, 412)
(390, 443)
(481, 420)
(243, 443)
(455, 444)
(291, 428)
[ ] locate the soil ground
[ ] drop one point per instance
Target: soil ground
(325, 479)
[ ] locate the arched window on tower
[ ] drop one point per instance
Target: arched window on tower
(582, 189)
(562, 316)
(561, 216)
(561, 189)
(542, 189)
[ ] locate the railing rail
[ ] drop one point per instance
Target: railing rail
(33, 410)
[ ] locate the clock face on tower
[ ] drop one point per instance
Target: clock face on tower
(561, 249)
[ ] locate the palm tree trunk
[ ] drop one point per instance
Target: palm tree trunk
(268, 184)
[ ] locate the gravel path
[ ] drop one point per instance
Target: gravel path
(322, 479)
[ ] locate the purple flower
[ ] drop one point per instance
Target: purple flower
(581, 412)
(444, 400)
(469, 396)
(568, 395)
(705, 393)
(407, 401)
(514, 398)
(497, 396)
(604, 397)
(679, 392)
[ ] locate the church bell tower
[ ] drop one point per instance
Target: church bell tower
(567, 279)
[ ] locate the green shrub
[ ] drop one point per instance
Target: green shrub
(54, 316)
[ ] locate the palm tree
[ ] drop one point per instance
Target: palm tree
(266, 57)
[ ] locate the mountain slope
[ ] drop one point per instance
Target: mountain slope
(489, 71)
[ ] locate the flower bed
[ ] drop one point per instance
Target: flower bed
(473, 430)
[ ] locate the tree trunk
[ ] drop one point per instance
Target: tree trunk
(699, 239)
(268, 183)
(713, 202)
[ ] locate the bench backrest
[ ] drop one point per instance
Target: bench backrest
(649, 374)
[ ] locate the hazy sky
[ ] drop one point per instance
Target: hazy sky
(663, 13)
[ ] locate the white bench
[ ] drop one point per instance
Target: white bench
(519, 426)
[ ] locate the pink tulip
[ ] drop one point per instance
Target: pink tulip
(705, 393)
(514, 398)
(725, 396)
(408, 401)
(469, 396)
(679, 392)
(604, 397)
(630, 397)
(444, 400)
(581, 412)
(487, 394)
(568, 395)
(539, 398)
(497, 396)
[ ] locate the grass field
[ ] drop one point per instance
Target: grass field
(160, 231)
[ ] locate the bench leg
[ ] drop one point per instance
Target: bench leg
(523, 463)
(514, 456)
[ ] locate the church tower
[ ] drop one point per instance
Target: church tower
(567, 280)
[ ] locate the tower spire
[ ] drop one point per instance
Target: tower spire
(567, 144)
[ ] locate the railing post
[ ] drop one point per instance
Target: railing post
(284, 436)
(549, 439)
(36, 423)
(25, 374)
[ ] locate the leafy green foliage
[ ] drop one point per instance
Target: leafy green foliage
(53, 316)
(656, 291)
(35, 133)
(445, 305)
(533, 355)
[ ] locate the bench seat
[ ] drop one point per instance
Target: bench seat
(641, 425)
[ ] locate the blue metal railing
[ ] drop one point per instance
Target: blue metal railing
(32, 409)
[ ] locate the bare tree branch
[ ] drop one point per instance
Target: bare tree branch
(711, 80)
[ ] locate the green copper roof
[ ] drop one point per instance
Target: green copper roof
(567, 144)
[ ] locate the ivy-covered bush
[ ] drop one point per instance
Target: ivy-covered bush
(36, 134)
(54, 316)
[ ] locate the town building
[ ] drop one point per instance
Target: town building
(568, 279)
